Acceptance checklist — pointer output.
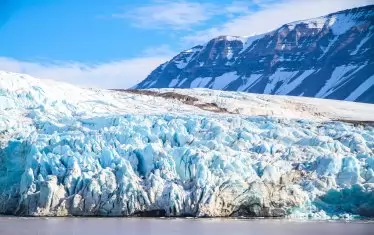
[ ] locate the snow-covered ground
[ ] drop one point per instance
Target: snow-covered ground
(66, 150)
(281, 106)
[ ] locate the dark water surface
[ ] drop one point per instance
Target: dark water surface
(117, 226)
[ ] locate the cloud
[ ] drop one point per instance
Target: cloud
(161, 50)
(178, 15)
(117, 74)
(270, 15)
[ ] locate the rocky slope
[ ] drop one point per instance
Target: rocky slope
(327, 57)
(65, 150)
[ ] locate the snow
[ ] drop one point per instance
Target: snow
(150, 83)
(224, 80)
(163, 66)
(229, 53)
(295, 107)
(341, 23)
(66, 150)
(336, 77)
(186, 57)
(343, 81)
(288, 87)
(325, 50)
(235, 38)
(182, 64)
(194, 49)
(173, 82)
(361, 89)
(276, 77)
(250, 81)
(200, 82)
(315, 23)
(183, 81)
(318, 23)
(250, 40)
(363, 41)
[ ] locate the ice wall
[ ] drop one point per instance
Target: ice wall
(201, 166)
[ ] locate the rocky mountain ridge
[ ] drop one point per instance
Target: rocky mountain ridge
(325, 57)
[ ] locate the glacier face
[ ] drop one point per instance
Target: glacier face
(71, 151)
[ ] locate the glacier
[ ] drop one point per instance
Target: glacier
(66, 150)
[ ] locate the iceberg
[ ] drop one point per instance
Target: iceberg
(66, 150)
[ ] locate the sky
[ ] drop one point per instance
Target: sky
(117, 43)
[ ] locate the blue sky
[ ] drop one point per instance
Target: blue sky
(116, 43)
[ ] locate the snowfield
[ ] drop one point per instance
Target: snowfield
(66, 150)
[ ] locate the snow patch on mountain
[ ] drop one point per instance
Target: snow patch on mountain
(361, 89)
(249, 81)
(250, 40)
(174, 82)
(279, 76)
(316, 23)
(200, 82)
(222, 81)
(336, 77)
(341, 23)
(327, 49)
(363, 41)
(291, 85)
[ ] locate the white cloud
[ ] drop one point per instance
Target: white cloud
(235, 7)
(117, 74)
(179, 14)
(176, 14)
(161, 50)
(271, 15)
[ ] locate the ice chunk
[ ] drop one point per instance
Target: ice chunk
(350, 172)
(328, 165)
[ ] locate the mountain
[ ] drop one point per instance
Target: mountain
(66, 150)
(328, 57)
